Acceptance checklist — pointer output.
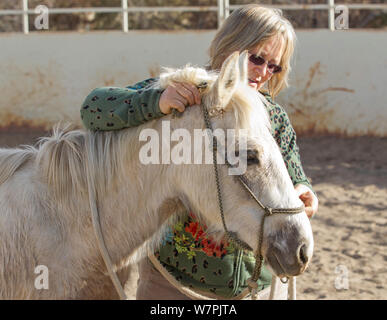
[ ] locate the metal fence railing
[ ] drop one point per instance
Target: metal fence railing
(222, 8)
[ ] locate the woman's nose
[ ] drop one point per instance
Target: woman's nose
(261, 70)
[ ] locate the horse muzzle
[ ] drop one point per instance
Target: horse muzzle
(289, 259)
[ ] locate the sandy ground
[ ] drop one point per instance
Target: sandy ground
(350, 178)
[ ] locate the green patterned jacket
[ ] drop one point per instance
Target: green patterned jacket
(187, 252)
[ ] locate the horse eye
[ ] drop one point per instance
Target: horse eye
(252, 157)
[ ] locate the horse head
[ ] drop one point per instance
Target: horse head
(287, 243)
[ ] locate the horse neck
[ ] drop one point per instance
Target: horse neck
(137, 202)
(142, 198)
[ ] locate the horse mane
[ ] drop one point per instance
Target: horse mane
(188, 73)
(64, 157)
(60, 160)
(68, 157)
(11, 160)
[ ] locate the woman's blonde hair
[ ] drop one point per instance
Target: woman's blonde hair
(249, 27)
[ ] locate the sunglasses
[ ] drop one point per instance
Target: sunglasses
(258, 61)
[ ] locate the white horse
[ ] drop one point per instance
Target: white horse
(45, 216)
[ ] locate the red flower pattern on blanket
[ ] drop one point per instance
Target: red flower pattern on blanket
(209, 246)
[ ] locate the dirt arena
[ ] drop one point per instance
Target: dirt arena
(350, 178)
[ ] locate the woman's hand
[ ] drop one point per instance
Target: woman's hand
(308, 198)
(179, 96)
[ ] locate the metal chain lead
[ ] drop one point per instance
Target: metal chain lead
(229, 234)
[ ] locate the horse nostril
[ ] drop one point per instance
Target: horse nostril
(302, 254)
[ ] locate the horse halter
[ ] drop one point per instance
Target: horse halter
(252, 282)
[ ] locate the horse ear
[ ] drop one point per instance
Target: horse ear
(228, 80)
(243, 67)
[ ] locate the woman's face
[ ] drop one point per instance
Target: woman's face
(272, 52)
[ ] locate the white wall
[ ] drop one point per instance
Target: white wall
(337, 84)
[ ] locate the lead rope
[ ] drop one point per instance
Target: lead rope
(98, 232)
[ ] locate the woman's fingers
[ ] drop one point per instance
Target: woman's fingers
(180, 106)
(186, 93)
(178, 96)
(170, 99)
(309, 212)
(308, 198)
(192, 93)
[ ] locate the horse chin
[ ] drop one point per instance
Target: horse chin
(275, 266)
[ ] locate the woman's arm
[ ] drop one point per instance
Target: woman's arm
(285, 136)
(111, 108)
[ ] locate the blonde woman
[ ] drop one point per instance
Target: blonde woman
(221, 270)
